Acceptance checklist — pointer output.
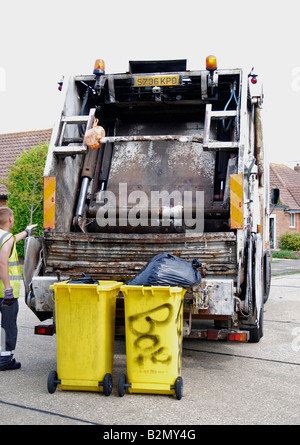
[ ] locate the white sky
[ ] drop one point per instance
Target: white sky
(42, 40)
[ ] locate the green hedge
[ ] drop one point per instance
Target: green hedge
(290, 241)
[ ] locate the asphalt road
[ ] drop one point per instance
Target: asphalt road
(224, 383)
(285, 267)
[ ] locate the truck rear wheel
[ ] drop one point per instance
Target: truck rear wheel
(267, 276)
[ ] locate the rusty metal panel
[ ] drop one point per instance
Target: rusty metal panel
(214, 297)
(121, 256)
(158, 165)
(44, 300)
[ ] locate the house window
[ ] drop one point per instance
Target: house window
(292, 221)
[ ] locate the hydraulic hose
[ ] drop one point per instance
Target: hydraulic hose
(232, 96)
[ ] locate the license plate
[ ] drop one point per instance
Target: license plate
(153, 81)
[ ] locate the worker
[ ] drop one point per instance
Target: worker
(10, 280)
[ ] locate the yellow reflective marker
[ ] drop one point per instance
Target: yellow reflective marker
(236, 202)
(49, 203)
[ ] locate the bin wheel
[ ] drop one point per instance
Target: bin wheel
(121, 385)
(52, 382)
(107, 384)
(179, 388)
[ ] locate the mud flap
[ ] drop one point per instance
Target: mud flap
(256, 332)
(254, 291)
(258, 265)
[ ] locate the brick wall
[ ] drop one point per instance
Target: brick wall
(283, 223)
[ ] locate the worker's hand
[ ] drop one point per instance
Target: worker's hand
(8, 297)
(30, 229)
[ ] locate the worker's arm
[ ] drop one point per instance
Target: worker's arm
(4, 256)
(25, 232)
(21, 235)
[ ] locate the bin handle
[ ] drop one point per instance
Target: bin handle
(172, 289)
(117, 285)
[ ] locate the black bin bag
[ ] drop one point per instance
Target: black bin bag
(85, 279)
(168, 270)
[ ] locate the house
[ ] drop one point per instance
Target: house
(12, 146)
(284, 217)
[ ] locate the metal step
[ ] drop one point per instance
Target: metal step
(212, 145)
(72, 150)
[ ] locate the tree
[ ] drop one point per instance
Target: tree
(25, 190)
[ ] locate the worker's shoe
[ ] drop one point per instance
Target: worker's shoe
(11, 366)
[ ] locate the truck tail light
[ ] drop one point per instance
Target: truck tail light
(238, 336)
(212, 334)
(44, 330)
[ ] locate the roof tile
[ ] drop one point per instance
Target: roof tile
(13, 144)
(288, 181)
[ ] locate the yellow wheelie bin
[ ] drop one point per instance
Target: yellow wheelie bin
(153, 330)
(85, 330)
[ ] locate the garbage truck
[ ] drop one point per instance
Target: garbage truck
(177, 166)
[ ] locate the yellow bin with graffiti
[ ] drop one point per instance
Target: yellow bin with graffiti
(153, 330)
(85, 332)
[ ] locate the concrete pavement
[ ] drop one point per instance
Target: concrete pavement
(224, 383)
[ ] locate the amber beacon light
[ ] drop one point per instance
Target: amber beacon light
(211, 63)
(99, 67)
